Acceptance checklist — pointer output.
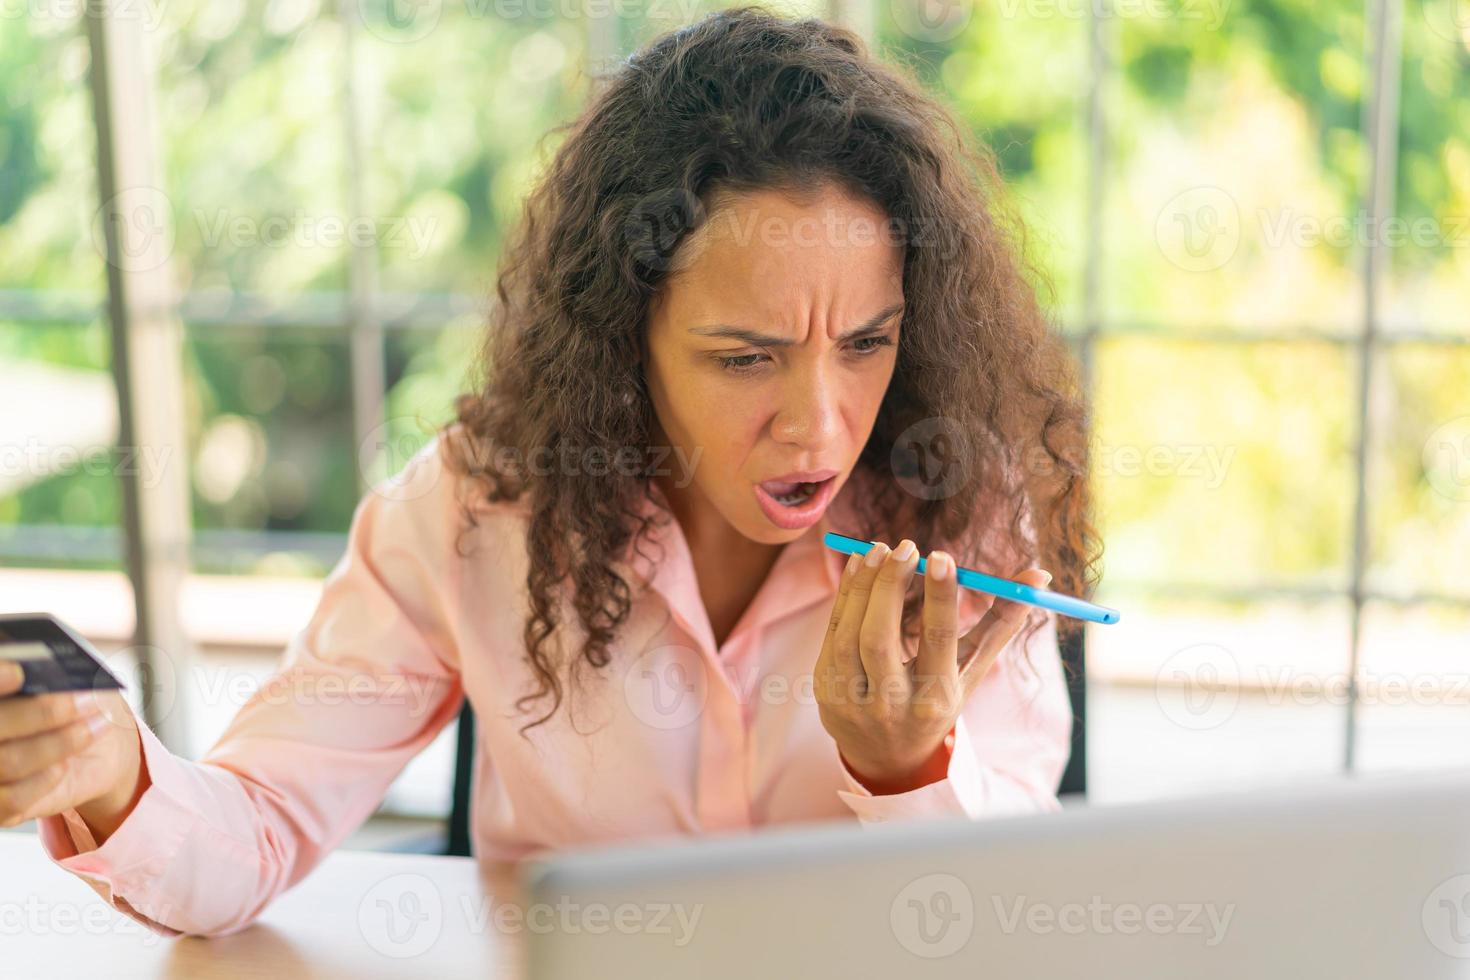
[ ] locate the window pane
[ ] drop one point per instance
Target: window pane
(59, 501)
(972, 56)
(1429, 272)
(251, 121)
(1235, 161)
(426, 369)
(1199, 696)
(1420, 499)
(274, 466)
(1228, 464)
(455, 100)
(1415, 678)
(49, 235)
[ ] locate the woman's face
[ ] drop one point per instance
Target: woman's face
(769, 352)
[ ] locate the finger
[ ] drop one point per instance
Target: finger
(879, 642)
(996, 628)
(826, 662)
(938, 643)
(32, 714)
(847, 657)
(11, 678)
(22, 757)
(18, 799)
(842, 592)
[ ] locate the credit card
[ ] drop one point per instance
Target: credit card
(53, 656)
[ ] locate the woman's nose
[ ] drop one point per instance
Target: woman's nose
(809, 410)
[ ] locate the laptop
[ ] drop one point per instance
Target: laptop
(1365, 876)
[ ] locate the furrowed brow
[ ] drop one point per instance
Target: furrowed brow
(757, 339)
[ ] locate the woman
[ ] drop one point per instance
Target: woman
(763, 291)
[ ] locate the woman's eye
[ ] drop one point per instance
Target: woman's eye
(877, 343)
(740, 362)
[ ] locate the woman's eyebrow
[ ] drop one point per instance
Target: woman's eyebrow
(757, 339)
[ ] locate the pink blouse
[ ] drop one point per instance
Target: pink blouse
(678, 735)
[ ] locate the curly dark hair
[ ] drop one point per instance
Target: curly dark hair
(746, 99)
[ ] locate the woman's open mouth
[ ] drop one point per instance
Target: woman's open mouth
(796, 500)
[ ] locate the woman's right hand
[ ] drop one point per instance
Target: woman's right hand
(75, 749)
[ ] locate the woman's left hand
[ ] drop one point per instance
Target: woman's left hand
(889, 718)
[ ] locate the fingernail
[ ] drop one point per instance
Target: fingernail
(875, 555)
(938, 566)
(905, 551)
(86, 702)
(97, 724)
(852, 562)
(11, 675)
(1048, 578)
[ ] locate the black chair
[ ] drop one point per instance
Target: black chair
(1074, 780)
(457, 843)
(1074, 660)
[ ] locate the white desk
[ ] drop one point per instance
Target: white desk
(333, 924)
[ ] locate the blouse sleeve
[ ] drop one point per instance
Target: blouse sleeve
(370, 680)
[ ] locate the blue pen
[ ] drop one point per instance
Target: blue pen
(989, 584)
